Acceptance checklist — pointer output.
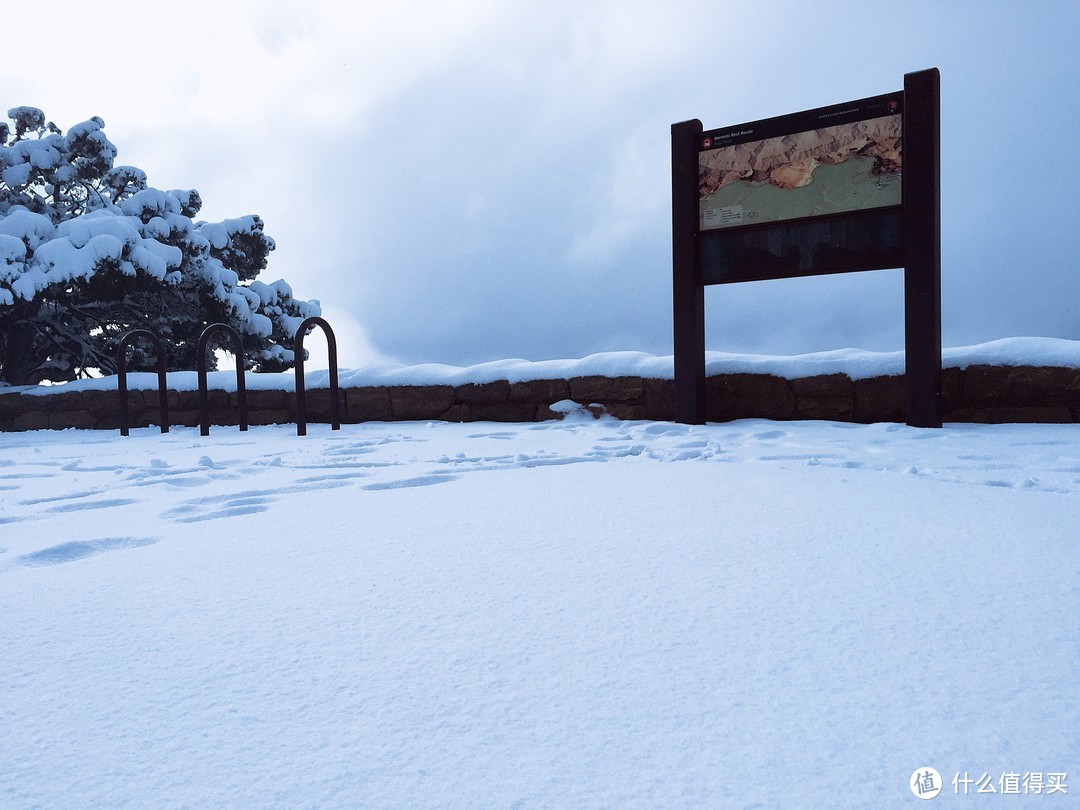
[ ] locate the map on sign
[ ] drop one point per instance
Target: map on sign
(831, 170)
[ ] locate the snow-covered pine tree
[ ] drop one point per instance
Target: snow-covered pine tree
(88, 251)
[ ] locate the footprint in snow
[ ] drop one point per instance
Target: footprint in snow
(770, 434)
(665, 429)
(232, 507)
(69, 496)
(249, 502)
(107, 503)
(419, 481)
(78, 549)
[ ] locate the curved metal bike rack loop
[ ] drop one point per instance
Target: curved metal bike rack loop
(241, 391)
(298, 354)
(121, 377)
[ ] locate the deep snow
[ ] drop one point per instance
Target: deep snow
(575, 614)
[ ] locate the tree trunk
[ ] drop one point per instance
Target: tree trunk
(20, 360)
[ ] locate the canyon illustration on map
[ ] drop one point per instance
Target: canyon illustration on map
(848, 167)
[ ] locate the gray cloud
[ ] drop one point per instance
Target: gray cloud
(477, 181)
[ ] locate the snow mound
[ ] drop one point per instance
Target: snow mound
(858, 364)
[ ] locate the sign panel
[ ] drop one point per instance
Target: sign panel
(863, 240)
(817, 163)
(814, 192)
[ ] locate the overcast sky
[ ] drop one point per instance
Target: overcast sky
(475, 180)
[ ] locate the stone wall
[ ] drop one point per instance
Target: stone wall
(975, 394)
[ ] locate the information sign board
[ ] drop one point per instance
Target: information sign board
(838, 189)
(827, 161)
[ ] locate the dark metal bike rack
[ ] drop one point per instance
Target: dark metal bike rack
(241, 391)
(298, 354)
(121, 377)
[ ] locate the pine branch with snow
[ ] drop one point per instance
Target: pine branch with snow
(89, 250)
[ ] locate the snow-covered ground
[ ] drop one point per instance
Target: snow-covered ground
(565, 614)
